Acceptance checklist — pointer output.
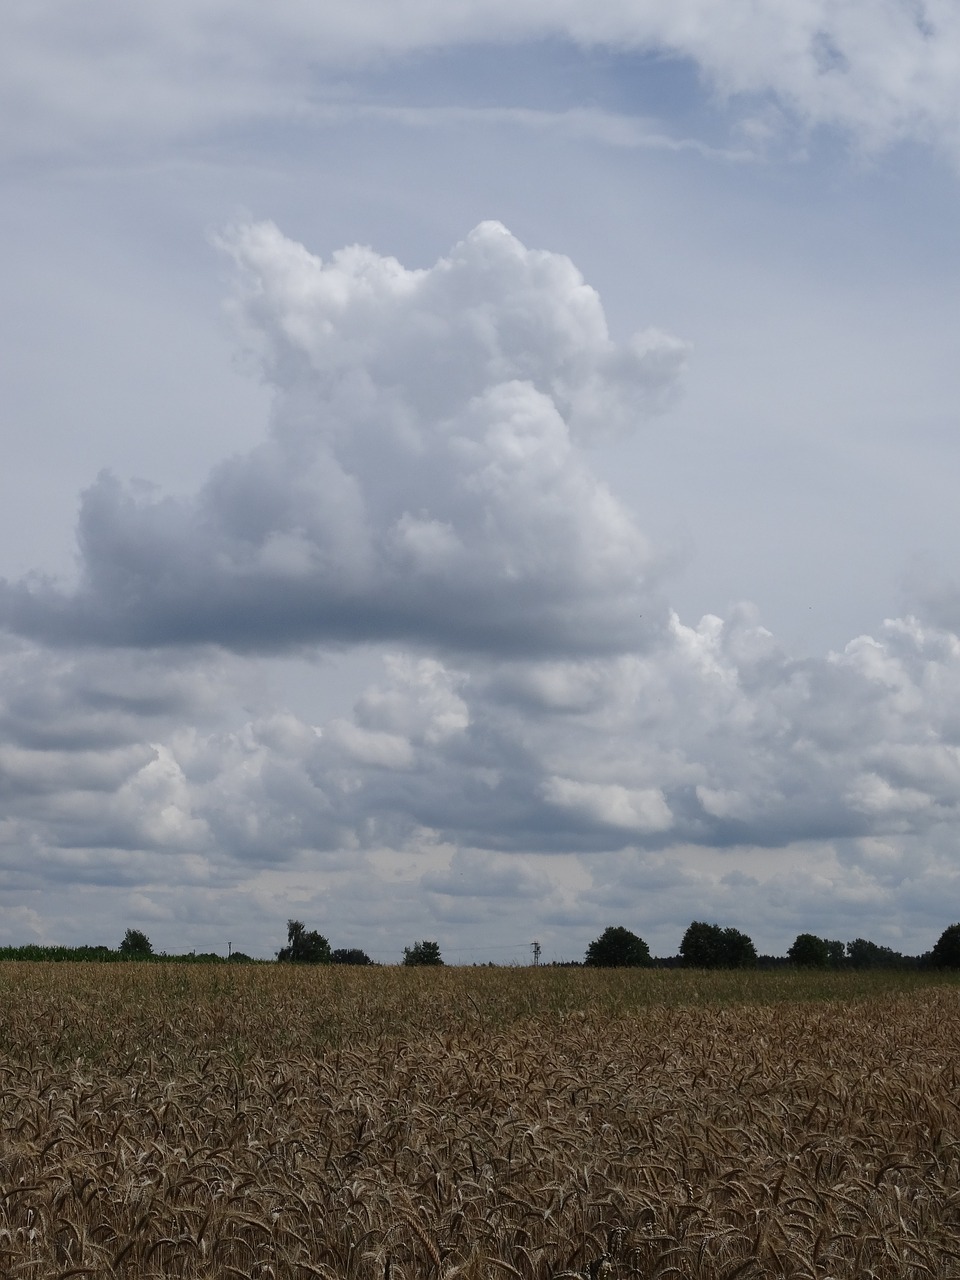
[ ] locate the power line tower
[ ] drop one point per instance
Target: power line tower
(535, 946)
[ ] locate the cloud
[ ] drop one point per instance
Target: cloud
(90, 750)
(636, 810)
(882, 72)
(711, 737)
(932, 592)
(99, 702)
(590, 124)
(422, 481)
(711, 776)
(716, 738)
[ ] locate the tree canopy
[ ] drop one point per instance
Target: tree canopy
(135, 945)
(946, 952)
(423, 953)
(304, 946)
(618, 948)
(863, 954)
(809, 952)
(350, 955)
(707, 946)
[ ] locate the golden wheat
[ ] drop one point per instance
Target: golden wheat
(277, 1124)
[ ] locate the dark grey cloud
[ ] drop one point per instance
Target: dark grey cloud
(97, 701)
(714, 776)
(710, 773)
(715, 740)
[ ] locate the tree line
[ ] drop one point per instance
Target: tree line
(135, 946)
(703, 946)
(304, 946)
(708, 946)
(307, 946)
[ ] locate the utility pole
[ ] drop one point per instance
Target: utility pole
(536, 953)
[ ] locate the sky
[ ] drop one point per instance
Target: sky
(479, 471)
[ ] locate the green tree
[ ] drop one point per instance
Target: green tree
(946, 953)
(702, 946)
(809, 952)
(707, 946)
(618, 948)
(135, 945)
(862, 954)
(423, 953)
(304, 946)
(350, 955)
(738, 950)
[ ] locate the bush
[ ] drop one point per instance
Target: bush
(618, 948)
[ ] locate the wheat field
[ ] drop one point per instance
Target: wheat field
(278, 1122)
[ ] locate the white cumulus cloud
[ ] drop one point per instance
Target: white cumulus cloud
(422, 479)
(640, 811)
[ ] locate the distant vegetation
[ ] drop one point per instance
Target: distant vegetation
(708, 946)
(423, 953)
(946, 954)
(108, 955)
(703, 946)
(349, 955)
(135, 945)
(618, 948)
(304, 946)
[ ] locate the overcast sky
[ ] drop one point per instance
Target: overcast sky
(479, 471)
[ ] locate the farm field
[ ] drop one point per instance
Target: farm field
(164, 1121)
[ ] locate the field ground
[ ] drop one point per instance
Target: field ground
(386, 1124)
